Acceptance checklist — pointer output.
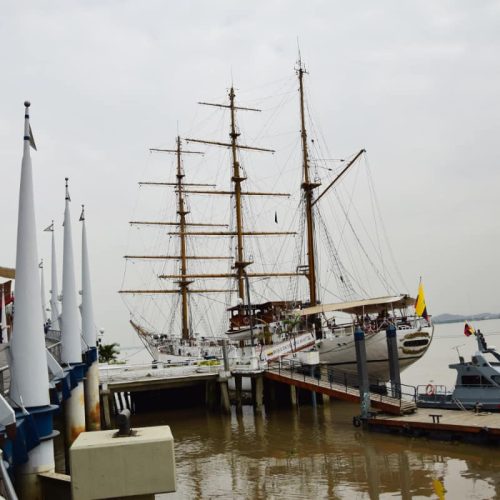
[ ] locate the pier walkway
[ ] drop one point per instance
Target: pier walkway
(288, 374)
(482, 427)
(146, 378)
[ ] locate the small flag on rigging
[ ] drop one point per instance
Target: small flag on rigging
(420, 306)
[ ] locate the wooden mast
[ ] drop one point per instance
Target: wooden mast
(240, 263)
(183, 282)
(184, 227)
(307, 187)
(181, 212)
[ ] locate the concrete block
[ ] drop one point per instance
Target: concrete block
(103, 466)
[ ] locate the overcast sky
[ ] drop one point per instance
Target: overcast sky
(416, 83)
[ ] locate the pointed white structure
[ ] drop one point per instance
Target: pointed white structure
(54, 290)
(88, 324)
(3, 321)
(71, 352)
(91, 385)
(42, 293)
(29, 387)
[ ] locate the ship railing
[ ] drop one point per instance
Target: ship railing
(435, 393)
(347, 382)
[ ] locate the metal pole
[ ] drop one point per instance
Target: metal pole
(364, 385)
(392, 350)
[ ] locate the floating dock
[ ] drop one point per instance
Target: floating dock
(449, 425)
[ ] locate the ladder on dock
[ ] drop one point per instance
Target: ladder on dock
(293, 375)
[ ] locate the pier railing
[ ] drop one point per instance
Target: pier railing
(346, 382)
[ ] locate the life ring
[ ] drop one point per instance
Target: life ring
(356, 421)
(246, 320)
(430, 390)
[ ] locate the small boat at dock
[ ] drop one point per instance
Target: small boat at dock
(477, 385)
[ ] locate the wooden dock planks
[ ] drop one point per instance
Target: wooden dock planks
(483, 427)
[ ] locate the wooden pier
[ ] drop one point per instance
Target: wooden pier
(450, 425)
(142, 388)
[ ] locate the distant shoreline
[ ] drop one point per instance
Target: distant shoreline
(456, 318)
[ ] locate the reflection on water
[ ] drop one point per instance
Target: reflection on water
(317, 453)
(312, 453)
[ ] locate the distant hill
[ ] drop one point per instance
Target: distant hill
(457, 318)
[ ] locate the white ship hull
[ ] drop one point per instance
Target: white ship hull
(340, 352)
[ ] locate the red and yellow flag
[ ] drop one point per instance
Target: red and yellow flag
(420, 306)
(468, 330)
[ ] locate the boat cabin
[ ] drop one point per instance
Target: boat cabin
(241, 316)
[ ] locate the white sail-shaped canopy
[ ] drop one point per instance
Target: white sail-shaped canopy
(88, 324)
(29, 376)
(70, 318)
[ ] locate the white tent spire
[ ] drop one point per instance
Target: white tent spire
(70, 338)
(29, 377)
(88, 323)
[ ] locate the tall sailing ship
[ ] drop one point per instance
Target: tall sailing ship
(272, 319)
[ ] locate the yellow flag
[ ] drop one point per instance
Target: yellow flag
(420, 306)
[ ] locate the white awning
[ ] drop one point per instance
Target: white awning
(366, 306)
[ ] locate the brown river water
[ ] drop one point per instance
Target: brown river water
(317, 453)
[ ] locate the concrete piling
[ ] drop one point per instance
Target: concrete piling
(293, 395)
(238, 382)
(224, 397)
(258, 393)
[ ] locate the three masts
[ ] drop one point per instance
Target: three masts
(241, 262)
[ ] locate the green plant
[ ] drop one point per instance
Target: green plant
(108, 352)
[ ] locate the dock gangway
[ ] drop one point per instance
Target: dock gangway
(339, 385)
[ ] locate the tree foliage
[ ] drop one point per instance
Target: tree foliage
(108, 352)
